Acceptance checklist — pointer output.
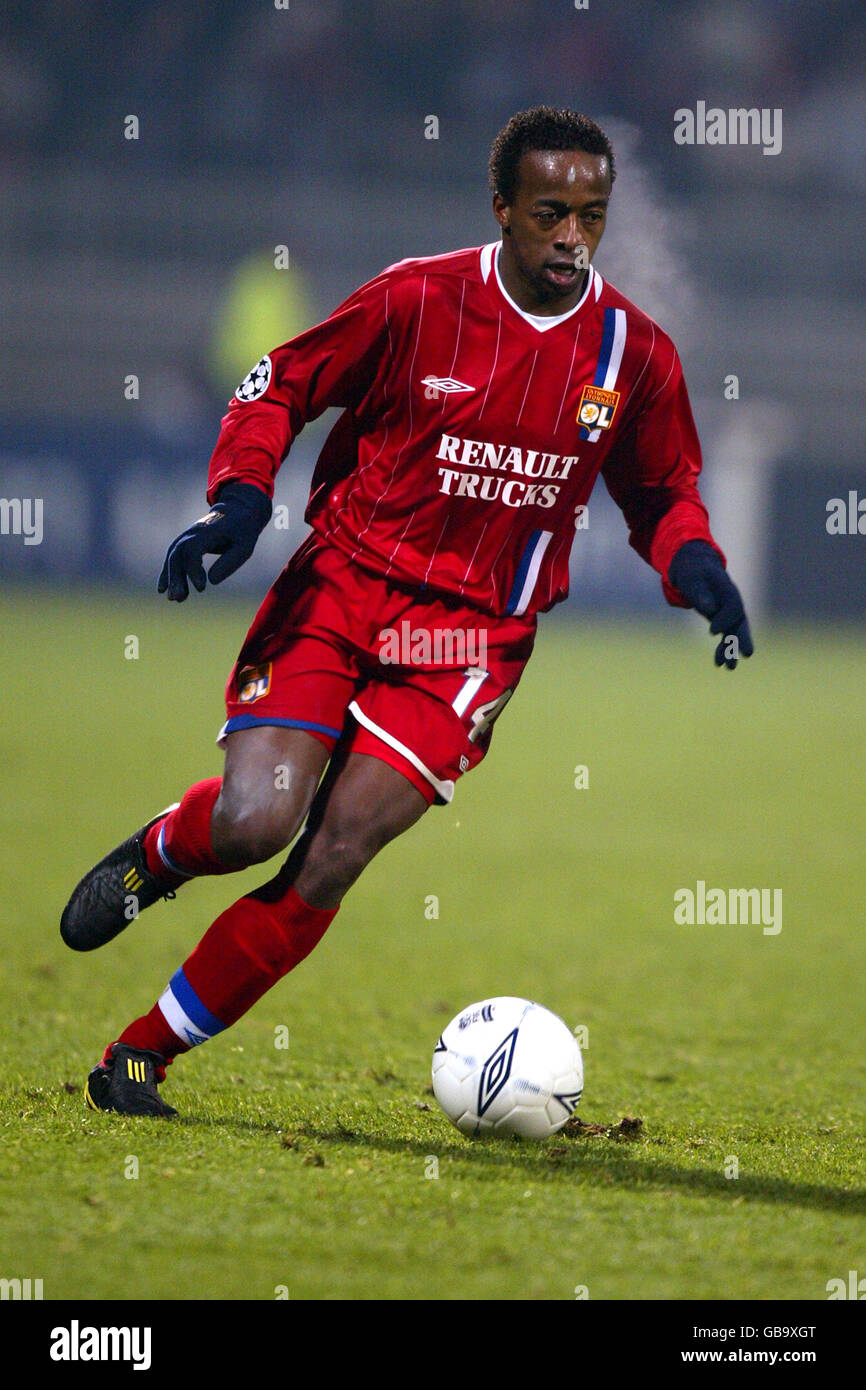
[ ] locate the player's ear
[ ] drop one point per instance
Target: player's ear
(501, 212)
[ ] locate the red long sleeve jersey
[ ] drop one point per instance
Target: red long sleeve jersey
(472, 433)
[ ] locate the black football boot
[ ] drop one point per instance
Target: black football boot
(113, 893)
(127, 1083)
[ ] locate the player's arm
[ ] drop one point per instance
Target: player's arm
(332, 364)
(652, 474)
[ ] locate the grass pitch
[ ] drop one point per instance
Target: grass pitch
(311, 1171)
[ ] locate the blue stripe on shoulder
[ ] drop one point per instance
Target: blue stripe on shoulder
(606, 347)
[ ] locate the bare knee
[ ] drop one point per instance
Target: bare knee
(250, 834)
(270, 779)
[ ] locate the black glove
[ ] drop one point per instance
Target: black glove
(698, 573)
(230, 530)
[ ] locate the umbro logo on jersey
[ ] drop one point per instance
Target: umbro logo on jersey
(445, 384)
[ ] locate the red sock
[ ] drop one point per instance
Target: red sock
(248, 948)
(178, 847)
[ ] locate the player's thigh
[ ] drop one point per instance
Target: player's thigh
(269, 782)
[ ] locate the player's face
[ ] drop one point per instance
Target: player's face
(552, 227)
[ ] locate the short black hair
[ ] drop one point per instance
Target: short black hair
(542, 128)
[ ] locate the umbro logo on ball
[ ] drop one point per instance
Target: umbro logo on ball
(255, 383)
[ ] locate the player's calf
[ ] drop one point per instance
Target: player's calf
(330, 859)
(363, 805)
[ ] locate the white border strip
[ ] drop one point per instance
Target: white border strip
(613, 366)
(178, 1021)
(445, 789)
(532, 573)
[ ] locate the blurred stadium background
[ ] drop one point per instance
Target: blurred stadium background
(305, 127)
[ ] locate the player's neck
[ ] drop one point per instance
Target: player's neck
(521, 290)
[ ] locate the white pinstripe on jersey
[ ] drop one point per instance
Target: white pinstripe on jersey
(354, 554)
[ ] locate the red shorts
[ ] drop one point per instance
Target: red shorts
(345, 654)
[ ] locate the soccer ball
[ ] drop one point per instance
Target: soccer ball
(508, 1066)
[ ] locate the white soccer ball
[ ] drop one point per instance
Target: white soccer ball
(508, 1066)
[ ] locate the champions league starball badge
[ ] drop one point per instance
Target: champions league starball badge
(256, 382)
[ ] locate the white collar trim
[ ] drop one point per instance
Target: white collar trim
(543, 322)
